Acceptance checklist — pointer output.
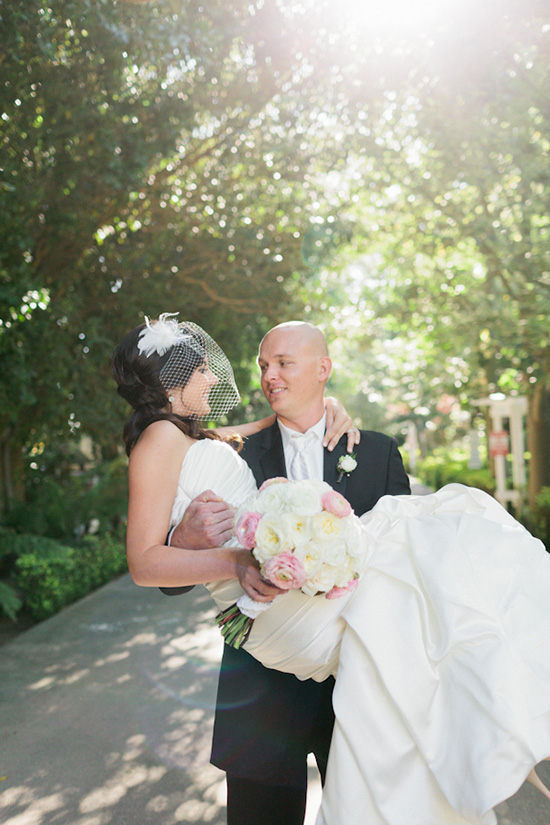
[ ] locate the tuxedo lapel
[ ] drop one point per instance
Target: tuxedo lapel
(331, 473)
(272, 457)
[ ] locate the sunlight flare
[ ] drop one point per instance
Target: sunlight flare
(386, 16)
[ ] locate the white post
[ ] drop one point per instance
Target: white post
(412, 446)
(474, 458)
(514, 409)
(500, 460)
(517, 411)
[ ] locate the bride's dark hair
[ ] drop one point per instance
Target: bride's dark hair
(138, 380)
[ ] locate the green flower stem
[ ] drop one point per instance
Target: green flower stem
(234, 625)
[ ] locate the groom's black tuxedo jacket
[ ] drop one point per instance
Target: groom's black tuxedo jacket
(267, 722)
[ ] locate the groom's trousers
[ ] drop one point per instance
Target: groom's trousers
(281, 800)
(253, 803)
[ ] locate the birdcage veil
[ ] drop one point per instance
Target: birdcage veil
(197, 371)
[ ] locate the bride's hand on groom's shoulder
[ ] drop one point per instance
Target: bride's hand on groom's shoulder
(252, 581)
(338, 424)
(207, 522)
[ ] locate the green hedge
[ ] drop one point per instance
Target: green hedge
(62, 508)
(47, 575)
(443, 467)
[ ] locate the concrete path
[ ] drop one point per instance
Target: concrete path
(419, 489)
(106, 716)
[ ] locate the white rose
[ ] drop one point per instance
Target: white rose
(321, 582)
(335, 552)
(273, 499)
(273, 536)
(298, 527)
(354, 536)
(305, 496)
(346, 572)
(312, 557)
(249, 506)
(326, 525)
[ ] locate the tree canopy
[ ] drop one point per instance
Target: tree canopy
(383, 173)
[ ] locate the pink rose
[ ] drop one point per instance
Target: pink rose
(336, 504)
(286, 571)
(245, 529)
(338, 592)
(277, 480)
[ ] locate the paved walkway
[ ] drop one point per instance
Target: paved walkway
(419, 489)
(106, 715)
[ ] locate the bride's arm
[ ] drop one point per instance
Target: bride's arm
(245, 430)
(338, 423)
(154, 469)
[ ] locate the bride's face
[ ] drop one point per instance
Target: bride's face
(192, 400)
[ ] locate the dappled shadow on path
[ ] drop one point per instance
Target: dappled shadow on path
(106, 717)
(107, 713)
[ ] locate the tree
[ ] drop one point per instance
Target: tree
(139, 172)
(218, 157)
(449, 197)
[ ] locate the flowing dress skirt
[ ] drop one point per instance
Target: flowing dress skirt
(442, 663)
(441, 657)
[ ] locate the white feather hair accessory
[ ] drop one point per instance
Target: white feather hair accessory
(160, 336)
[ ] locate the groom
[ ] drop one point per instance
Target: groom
(266, 721)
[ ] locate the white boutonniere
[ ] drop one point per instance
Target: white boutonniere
(346, 465)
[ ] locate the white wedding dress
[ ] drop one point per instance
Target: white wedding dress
(442, 653)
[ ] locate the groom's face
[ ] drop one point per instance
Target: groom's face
(293, 375)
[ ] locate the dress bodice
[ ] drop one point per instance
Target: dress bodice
(214, 465)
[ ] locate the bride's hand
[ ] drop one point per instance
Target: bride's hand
(252, 581)
(338, 423)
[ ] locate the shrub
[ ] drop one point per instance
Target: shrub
(47, 575)
(62, 508)
(50, 575)
(40, 569)
(49, 510)
(451, 466)
(100, 559)
(10, 603)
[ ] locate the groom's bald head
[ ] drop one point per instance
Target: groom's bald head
(309, 335)
(295, 367)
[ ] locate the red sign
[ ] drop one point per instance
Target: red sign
(499, 443)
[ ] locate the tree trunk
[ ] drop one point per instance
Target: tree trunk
(12, 471)
(538, 438)
(6, 486)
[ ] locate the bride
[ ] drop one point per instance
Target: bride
(442, 653)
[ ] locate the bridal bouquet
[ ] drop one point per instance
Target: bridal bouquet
(305, 537)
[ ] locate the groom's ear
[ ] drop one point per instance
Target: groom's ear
(325, 368)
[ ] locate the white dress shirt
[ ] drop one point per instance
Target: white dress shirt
(313, 452)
